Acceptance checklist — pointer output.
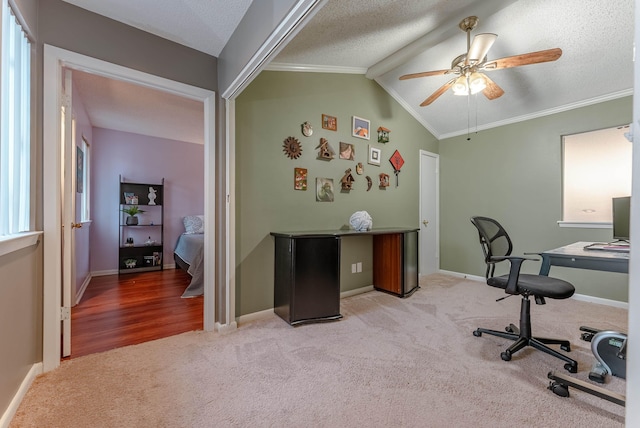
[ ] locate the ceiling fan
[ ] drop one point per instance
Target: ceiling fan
(469, 67)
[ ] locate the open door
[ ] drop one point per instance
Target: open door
(67, 142)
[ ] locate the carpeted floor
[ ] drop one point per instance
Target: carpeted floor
(389, 362)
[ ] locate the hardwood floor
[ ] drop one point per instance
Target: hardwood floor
(121, 310)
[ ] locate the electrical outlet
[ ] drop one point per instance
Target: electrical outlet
(359, 267)
(353, 268)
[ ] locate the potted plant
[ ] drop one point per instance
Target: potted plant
(132, 211)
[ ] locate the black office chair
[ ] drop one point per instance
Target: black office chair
(497, 248)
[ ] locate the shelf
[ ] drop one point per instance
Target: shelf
(147, 257)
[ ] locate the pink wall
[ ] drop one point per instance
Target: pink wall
(82, 245)
(141, 159)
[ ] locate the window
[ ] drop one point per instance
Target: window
(83, 164)
(15, 126)
(596, 168)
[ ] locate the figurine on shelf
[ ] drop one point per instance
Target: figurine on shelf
(152, 196)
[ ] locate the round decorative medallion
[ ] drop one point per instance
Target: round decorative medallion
(307, 130)
(292, 148)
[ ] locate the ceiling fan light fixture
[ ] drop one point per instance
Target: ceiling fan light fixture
(460, 86)
(477, 83)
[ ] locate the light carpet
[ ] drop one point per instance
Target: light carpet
(389, 362)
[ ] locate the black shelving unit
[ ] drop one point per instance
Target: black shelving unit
(140, 245)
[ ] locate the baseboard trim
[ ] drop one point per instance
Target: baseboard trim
(357, 291)
(35, 370)
(115, 271)
(462, 275)
(581, 297)
(104, 272)
(601, 301)
(225, 328)
(83, 288)
(254, 316)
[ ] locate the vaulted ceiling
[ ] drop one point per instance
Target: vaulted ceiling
(385, 39)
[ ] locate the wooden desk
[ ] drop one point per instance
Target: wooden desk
(307, 270)
(575, 256)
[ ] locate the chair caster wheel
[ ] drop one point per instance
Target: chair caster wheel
(506, 356)
(477, 333)
(558, 389)
(571, 368)
(511, 329)
(566, 348)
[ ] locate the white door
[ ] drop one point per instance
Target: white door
(429, 249)
(69, 209)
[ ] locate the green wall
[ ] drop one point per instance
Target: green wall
(513, 174)
(272, 108)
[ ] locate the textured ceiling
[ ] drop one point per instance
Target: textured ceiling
(385, 39)
(202, 25)
(596, 38)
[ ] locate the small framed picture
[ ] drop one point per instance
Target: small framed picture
(347, 151)
(130, 198)
(374, 155)
(300, 179)
(360, 127)
(329, 122)
(324, 189)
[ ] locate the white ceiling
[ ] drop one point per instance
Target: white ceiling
(387, 38)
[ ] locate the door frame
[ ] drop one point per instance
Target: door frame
(54, 59)
(437, 204)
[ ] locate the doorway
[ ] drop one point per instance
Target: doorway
(429, 247)
(143, 135)
(54, 59)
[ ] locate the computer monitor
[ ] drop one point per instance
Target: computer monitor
(621, 216)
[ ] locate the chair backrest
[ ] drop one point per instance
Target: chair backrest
(494, 241)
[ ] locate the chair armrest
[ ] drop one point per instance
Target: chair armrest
(514, 271)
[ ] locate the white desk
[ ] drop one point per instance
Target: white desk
(575, 256)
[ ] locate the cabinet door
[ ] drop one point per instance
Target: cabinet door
(316, 293)
(387, 262)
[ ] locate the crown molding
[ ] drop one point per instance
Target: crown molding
(310, 68)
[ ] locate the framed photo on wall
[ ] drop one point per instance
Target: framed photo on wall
(360, 127)
(374, 155)
(329, 122)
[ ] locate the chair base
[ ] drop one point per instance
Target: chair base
(537, 342)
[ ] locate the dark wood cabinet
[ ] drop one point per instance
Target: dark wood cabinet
(395, 263)
(141, 239)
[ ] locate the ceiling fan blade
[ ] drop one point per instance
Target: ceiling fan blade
(524, 59)
(480, 46)
(437, 93)
(425, 74)
(492, 91)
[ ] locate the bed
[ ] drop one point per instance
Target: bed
(189, 255)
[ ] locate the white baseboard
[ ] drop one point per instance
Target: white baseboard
(5, 420)
(104, 272)
(356, 291)
(601, 301)
(269, 312)
(225, 328)
(83, 288)
(581, 297)
(255, 316)
(463, 275)
(115, 271)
